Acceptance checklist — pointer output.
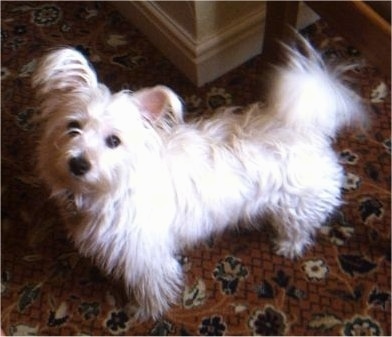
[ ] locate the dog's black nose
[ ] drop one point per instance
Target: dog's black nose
(79, 165)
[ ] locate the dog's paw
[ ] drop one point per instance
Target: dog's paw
(290, 249)
(154, 304)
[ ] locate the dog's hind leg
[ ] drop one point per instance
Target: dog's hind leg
(297, 220)
(292, 237)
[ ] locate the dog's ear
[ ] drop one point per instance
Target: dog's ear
(63, 70)
(159, 103)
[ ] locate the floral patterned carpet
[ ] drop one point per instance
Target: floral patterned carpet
(236, 285)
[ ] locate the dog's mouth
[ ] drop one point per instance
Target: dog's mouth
(70, 204)
(82, 181)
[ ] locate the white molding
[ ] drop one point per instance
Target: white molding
(201, 61)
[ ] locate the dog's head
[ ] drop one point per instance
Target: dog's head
(92, 138)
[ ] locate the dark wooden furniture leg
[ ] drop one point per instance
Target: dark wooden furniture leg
(281, 15)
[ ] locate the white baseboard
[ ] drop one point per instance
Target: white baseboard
(200, 61)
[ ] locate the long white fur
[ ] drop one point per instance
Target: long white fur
(170, 184)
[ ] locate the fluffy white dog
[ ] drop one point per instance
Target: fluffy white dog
(136, 184)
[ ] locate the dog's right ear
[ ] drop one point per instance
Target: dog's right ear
(159, 105)
(63, 70)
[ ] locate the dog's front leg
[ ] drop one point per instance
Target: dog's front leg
(155, 285)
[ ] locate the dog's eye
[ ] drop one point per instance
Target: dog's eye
(74, 128)
(112, 141)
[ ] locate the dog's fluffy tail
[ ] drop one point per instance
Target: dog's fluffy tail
(306, 94)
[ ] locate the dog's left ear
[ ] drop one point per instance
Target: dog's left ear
(159, 103)
(63, 70)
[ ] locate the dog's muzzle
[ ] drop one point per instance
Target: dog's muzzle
(79, 165)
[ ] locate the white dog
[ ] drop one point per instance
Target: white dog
(136, 184)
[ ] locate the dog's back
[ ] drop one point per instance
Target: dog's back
(274, 159)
